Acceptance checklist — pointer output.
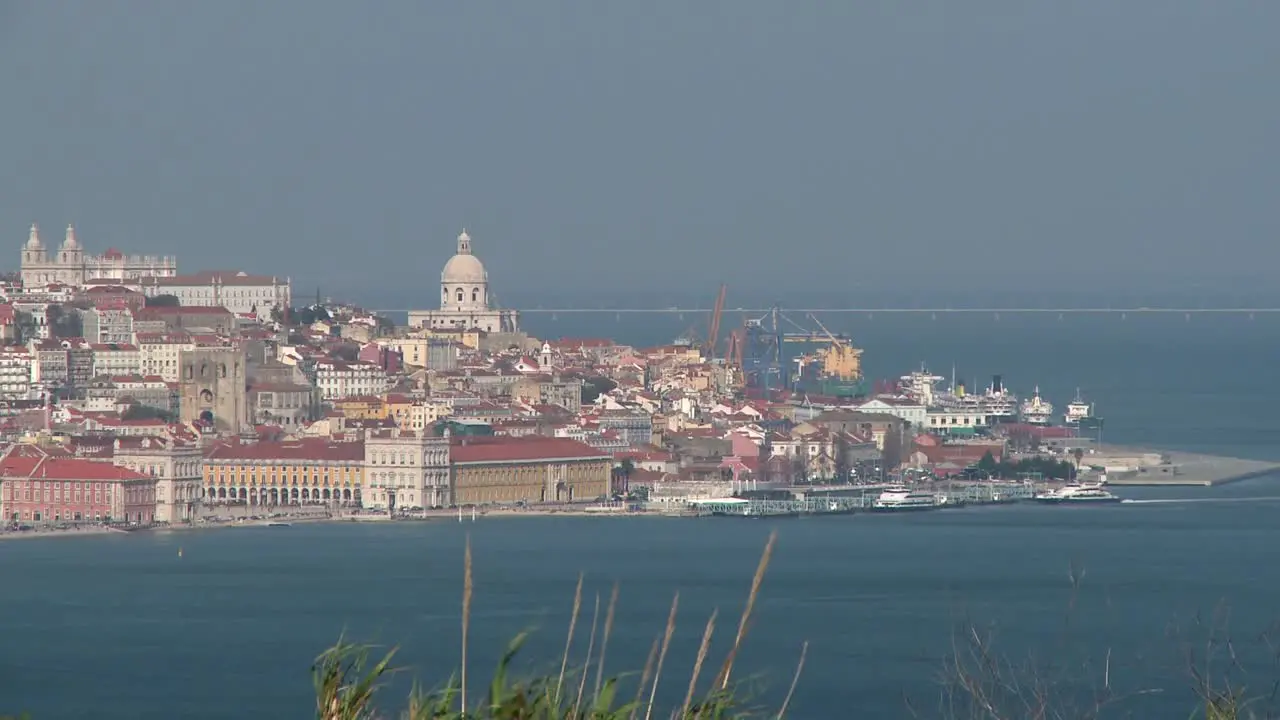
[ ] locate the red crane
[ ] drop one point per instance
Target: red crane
(713, 333)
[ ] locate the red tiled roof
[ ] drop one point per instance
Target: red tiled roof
(157, 312)
(516, 449)
(61, 468)
(318, 449)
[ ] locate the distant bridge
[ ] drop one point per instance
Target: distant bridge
(916, 311)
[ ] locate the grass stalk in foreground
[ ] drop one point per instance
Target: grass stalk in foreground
(346, 680)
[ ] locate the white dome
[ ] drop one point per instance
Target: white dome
(462, 270)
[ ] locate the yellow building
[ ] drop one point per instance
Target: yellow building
(361, 408)
(293, 472)
(527, 469)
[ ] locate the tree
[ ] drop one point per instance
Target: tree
(594, 387)
(766, 454)
(26, 323)
(842, 468)
(1078, 454)
(64, 323)
(988, 464)
(800, 464)
(147, 412)
(163, 300)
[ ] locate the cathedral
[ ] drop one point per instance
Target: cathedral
(464, 298)
(71, 266)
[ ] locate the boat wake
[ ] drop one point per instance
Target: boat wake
(1168, 501)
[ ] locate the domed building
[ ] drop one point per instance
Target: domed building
(464, 298)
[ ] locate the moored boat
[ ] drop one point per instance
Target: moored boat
(900, 499)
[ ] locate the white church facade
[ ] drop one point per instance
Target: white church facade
(70, 265)
(465, 300)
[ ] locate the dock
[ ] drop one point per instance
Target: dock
(956, 496)
(1189, 469)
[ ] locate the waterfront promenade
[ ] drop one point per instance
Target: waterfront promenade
(1190, 469)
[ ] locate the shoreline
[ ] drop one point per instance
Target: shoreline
(1183, 469)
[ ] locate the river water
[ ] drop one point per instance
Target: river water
(122, 627)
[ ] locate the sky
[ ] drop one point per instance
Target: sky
(653, 149)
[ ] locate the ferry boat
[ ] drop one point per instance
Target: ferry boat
(1077, 494)
(1036, 410)
(900, 499)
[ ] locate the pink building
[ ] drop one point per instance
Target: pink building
(44, 487)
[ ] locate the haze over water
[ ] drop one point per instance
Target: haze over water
(230, 629)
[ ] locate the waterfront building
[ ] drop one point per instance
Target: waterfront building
(39, 487)
(405, 469)
(465, 298)
(238, 292)
(915, 413)
(176, 466)
(70, 265)
(956, 420)
(310, 471)
(527, 469)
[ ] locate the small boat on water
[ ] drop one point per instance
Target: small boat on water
(900, 499)
(279, 524)
(1076, 494)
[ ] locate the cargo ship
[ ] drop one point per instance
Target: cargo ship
(832, 371)
(1080, 414)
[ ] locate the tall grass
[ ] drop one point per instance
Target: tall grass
(347, 678)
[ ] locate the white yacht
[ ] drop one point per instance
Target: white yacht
(1077, 494)
(899, 499)
(1037, 410)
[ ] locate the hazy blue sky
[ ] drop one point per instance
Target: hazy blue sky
(641, 145)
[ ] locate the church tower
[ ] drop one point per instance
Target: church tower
(71, 253)
(33, 252)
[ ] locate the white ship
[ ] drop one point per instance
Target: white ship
(900, 499)
(1077, 494)
(996, 403)
(1078, 410)
(1037, 410)
(919, 386)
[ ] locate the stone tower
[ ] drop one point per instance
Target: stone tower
(213, 389)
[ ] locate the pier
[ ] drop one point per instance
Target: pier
(828, 504)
